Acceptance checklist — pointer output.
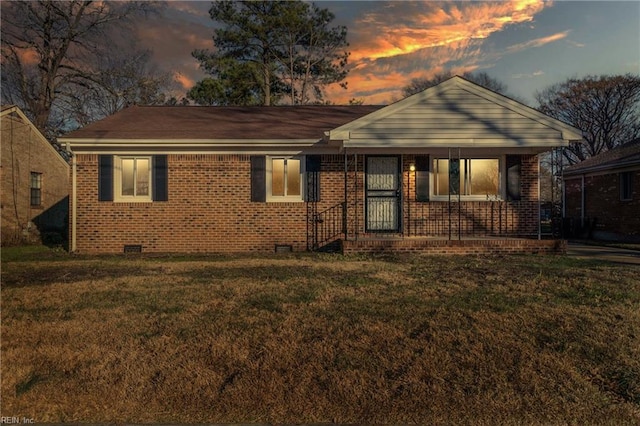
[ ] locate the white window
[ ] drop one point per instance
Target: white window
(36, 189)
(132, 179)
(284, 179)
(469, 178)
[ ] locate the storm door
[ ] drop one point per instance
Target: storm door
(382, 200)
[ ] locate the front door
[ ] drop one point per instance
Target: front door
(382, 201)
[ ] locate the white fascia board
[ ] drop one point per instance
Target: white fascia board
(455, 143)
(339, 135)
(180, 144)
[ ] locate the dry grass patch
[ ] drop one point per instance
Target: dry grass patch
(517, 340)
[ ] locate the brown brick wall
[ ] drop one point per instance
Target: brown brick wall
(606, 215)
(209, 208)
(23, 152)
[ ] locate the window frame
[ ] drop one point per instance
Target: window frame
(501, 184)
(117, 180)
(626, 185)
(270, 198)
(37, 189)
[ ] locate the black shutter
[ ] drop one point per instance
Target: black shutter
(160, 178)
(422, 178)
(258, 178)
(105, 178)
(312, 169)
(514, 166)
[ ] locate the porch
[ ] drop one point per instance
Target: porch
(396, 202)
(465, 246)
(491, 227)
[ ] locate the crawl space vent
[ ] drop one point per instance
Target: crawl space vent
(133, 248)
(284, 248)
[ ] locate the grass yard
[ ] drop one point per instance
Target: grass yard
(320, 338)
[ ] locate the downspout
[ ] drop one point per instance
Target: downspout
(582, 201)
(74, 198)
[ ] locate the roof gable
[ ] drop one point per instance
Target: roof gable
(13, 112)
(456, 113)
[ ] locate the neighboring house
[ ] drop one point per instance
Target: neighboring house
(35, 182)
(602, 195)
(429, 173)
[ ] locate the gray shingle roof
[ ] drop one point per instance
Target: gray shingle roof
(619, 157)
(190, 122)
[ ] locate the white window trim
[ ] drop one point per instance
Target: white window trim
(117, 181)
(502, 164)
(288, 198)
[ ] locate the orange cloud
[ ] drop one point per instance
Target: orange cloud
(444, 25)
(537, 42)
(383, 88)
(425, 38)
(28, 56)
(184, 81)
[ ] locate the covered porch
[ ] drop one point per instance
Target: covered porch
(454, 168)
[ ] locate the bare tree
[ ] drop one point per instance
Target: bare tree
(481, 78)
(119, 80)
(48, 46)
(605, 108)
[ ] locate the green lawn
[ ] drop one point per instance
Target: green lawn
(319, 338)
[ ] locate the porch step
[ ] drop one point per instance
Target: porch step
(332, 247)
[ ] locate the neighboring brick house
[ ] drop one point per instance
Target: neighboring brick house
(35, 182)
(454, 162)
(602, 195)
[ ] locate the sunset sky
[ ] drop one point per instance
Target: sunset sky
(526, 44)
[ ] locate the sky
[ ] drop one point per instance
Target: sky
(526, 44)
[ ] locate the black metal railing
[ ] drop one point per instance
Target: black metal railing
(327, 226)
(473, 219)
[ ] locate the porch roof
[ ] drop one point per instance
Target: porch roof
(456, 113)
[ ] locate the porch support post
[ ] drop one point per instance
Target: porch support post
(345, 228)
(355, 195)
(539, 201)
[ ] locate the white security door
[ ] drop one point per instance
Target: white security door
(383, 194)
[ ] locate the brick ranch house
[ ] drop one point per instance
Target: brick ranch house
(451, 169)
(602, 195)
(35, 183)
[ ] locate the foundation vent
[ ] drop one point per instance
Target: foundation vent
(133, 248)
